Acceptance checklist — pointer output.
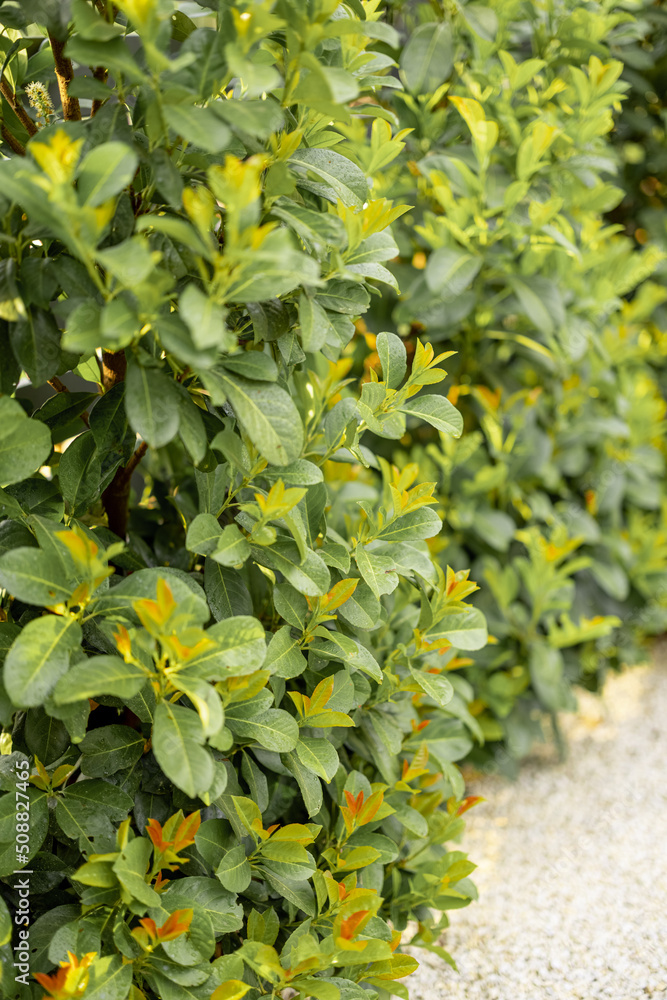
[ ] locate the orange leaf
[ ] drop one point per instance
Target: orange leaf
(370, 807)
(185, 835)
(468, 803)
(155, 833)
(175, 925)
(348, 927)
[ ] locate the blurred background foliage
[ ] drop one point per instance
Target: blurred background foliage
(535, 250)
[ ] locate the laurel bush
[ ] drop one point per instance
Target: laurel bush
(229, 726)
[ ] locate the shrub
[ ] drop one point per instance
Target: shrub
(555, 493)
(223, 632)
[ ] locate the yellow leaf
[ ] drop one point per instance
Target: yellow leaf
(233, 989)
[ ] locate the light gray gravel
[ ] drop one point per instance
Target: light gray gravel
(572, 865)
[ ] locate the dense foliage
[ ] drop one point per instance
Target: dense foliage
(228, 742)
(512, 256)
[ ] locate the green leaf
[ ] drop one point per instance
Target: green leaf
(109, 749)
(109, 979)
(114, 54)
(299, 893)
(130, 263)
(234, 870)
(274, 729)
(318, 756)
(39, 657)
(540, 301)
(232, 548)
(362, 609)
(225, 914)
(177, 744)
(240, 646)
(152, 404)
(546, 673)
(311, 791)
(428, 58)
(203, 534)
(118, 600)
(200, 126)
(39, 813)
(338, 177)
(25, 444)
(290, 605)
(34, 576)
(36, 344)
(437, 411)
(314, 322)
(283, 656)
(253, 365)
(483, 20)
(417, 524)
(99, 675)
(450, 271)
(266, 413)
(87, 810)
(105, 171)
(131, 868)
(393, 358)
(79, 473)
(204, 318)
(5, 923)
(378, 571)
(310, 577)
(299, 473)
(226, 591)
(59, 413)
(342, 647)
(464, 629)
(435, 686)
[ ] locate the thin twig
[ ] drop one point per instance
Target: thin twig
(64, 75)
(28, 124)
(60, 386)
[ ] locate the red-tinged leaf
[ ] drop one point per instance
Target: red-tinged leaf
(468, 803)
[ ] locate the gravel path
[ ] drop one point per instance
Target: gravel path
(572, 865)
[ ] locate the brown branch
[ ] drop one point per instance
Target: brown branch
(134, 462)
(116, 497)
(12, 100)
(100, 73)
(11, 140)
(64, 75)
(114, 366)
